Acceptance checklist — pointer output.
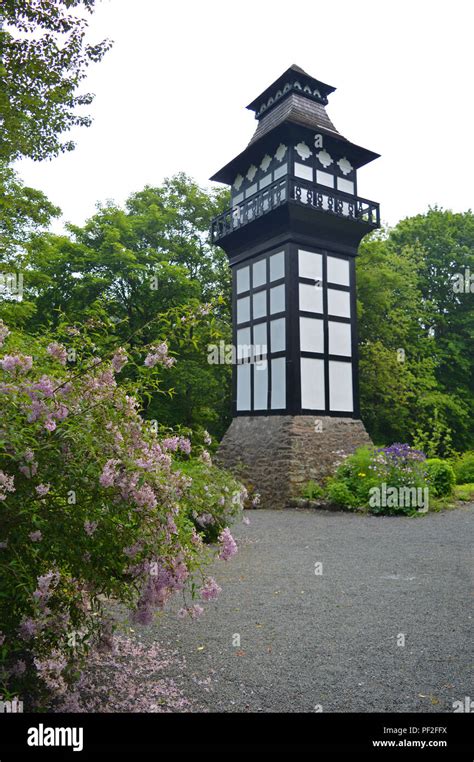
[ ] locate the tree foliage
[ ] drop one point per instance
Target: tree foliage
(44, 57)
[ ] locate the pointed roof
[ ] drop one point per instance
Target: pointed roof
(294, 98)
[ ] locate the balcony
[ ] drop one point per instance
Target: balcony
(296, 191)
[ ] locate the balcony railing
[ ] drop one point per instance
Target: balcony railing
(298, 191)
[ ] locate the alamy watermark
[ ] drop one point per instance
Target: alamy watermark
(230, 354)
(463, 283)
(399, 497)
(11, 285)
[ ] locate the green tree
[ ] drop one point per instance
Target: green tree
(43, 59)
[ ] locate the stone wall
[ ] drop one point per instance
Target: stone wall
(279, 454)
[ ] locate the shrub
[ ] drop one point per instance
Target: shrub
(94, 505)
(312, 491)
(441, 476)
(464, 468)
(370, 472)
(339, 493)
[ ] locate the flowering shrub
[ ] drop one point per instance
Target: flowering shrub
(94, 505)
(396, 466)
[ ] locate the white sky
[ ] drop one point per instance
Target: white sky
(171, 94)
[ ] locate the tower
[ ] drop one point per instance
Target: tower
(291, 236)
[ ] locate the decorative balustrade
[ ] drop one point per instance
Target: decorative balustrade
(294, 190)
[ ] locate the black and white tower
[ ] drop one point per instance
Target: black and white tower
(291, 235)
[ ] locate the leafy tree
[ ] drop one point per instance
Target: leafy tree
(416, 367)
(43, 59)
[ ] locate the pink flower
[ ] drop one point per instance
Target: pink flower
(171, 443)
(119, 359)
(43, 489)
(4, 332)
(229, 546)
(90, 527)
(57, 351)
(49, 424)
(207, 438)
(159, 354)
(205, 457)
(35, 536)
(61, 412)
(109, 473)
(6, 485)
(45, 385)
(184, 445)
(28, 628)
(210, 590)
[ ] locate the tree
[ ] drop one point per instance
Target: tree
(43, 59)
(127, 266)
(416, 366)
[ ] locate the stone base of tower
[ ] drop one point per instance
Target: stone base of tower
(279, 454)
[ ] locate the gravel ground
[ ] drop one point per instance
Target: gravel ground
(329, 642)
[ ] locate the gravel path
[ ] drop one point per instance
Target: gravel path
(329, 641)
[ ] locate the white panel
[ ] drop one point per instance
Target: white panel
(301, 170)
(324, 178)
(340, 386)
(310, 264)
(338, 271)
(237, 198)
(345, 185)
(259, 304)
(277, 299)
(311, 298)
(243, 343)
(312, 383)
(277, 265)
(265, 181)
(243, 309)
(243, 282)
(243, 387)
(260, 386)
(278, 399)
(340, 339)
(280, 171)
(260, 338)
(259, 273)
(339, 303)
(311, 335)
(277, 335)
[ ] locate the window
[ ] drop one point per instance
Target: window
(260, 375)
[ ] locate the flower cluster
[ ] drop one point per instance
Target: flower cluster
(159, 355)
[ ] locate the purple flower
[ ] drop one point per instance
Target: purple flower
(229, 546)
(23, 363)
(35, 536)
(4, 332)
(43, 489)
(6, 485)
(49, 424)
(57, 351)
(210, 590)
(90, 527)
(119, 359)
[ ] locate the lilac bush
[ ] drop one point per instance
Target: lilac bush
(94, 506)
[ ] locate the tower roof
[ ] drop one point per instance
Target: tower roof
(294, 98)
(294, 79)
